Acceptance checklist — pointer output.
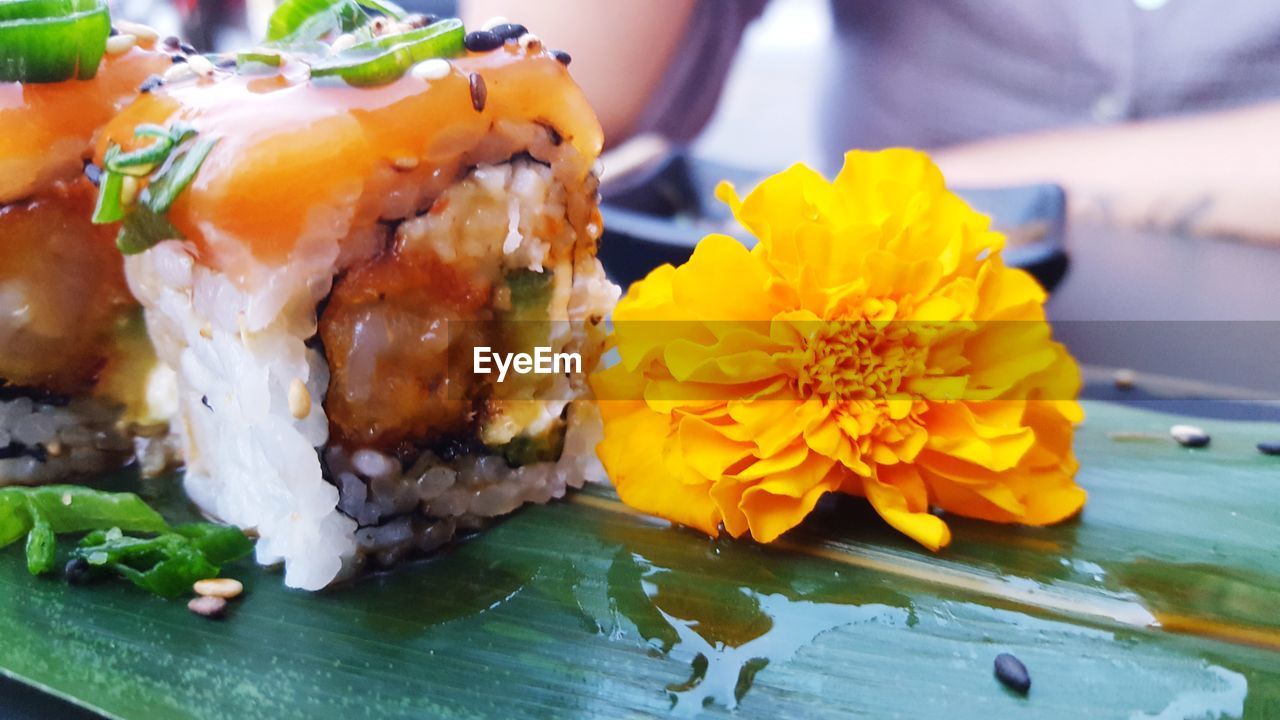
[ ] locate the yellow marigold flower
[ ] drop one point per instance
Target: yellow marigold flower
(872, 343)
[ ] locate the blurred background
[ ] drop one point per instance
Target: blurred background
(1127, 147)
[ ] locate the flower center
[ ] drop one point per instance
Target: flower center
(859, 360)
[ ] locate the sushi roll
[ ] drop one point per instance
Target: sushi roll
(74, 356)
(351, 230)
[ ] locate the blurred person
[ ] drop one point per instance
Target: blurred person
(1151, 113)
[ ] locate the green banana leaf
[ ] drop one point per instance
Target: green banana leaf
(1161, 601)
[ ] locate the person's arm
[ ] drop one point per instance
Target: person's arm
(1210, 174)
(620, 50)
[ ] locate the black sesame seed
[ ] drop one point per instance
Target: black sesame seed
(204, 400)
(93, 172)
(78, 571)
(562, 56)
(178, 59)
(1189, 436)
(39, 452)
(151, 83)
(1270, 447)
(509, 31)
(1011, 672)
(479, 93)
(187, 48)
(114, 32)
(431, 19)
(12, 450)
(225, 63)
(481, 41)
(171, 43)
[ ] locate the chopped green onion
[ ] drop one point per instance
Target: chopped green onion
(70, 509)
(367, 67)
(42, 545)
(169, 564)
(386, 59)
(178, 161)
(221, 544)
(142, 229)
(166, 186)
(149, 130)
(179, 132)
(439, 39)
(384, 7)
(304, 20)
(52, 40)
(142, 161)
(247, 59)
(109, 209)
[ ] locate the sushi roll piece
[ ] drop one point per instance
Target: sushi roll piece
(349, 237)
(74, 356)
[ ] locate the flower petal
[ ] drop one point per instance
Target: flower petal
(897, 498)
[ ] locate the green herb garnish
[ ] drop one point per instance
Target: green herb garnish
(140, 162)
(383, 7)
(172, 161)
(52, 40)
(109, 209)
(169, 183)
(376, 60)
(167, 564)
(142, 229)
(72, 509)
(387, 58)
(304, 20)
(252, 60)
(296, 21)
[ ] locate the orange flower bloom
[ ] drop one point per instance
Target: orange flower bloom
(872, 342)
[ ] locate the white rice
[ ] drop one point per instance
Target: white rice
(51, 442)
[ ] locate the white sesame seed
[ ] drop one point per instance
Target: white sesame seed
(128, 190)
(121, 44)
(225, 588)
(181, 71)
(1125, 379)
(201, 66)
(299, 399)
(433, 69)
(143, 32)
(54, 448)
(342, 43)
(206, 331)
(406, 162)
(66, 499)
(1189, 435)
(494, 22)
(530, 43)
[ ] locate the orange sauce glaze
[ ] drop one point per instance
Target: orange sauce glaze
(48, 129)
(289, 146)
